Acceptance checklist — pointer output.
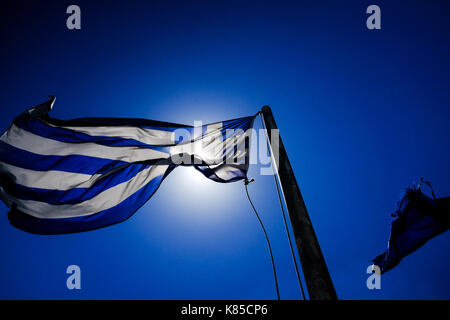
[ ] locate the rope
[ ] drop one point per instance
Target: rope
(246, 182)
(284, 214)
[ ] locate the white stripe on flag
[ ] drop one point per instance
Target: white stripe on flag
(28, 141)
(51, 179)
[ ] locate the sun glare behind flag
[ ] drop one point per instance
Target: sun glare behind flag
(64, 176)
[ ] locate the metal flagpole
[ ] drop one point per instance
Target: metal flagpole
(318, 280)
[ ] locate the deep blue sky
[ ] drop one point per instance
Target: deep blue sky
(363, 114)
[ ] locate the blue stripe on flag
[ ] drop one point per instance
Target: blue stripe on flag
(74, 195)
(104, 218)
(96, 122)
(72, 163)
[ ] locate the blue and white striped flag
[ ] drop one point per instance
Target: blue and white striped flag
(64, 176)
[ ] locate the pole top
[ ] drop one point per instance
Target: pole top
(266, 108)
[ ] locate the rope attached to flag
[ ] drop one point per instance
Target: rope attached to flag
(246, 183)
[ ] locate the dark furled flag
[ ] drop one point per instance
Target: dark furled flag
(417, 219)
(64, 176)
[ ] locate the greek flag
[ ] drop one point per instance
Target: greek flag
(64, 176)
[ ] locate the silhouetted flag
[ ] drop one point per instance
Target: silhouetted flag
(417, 219)
(60, 176)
